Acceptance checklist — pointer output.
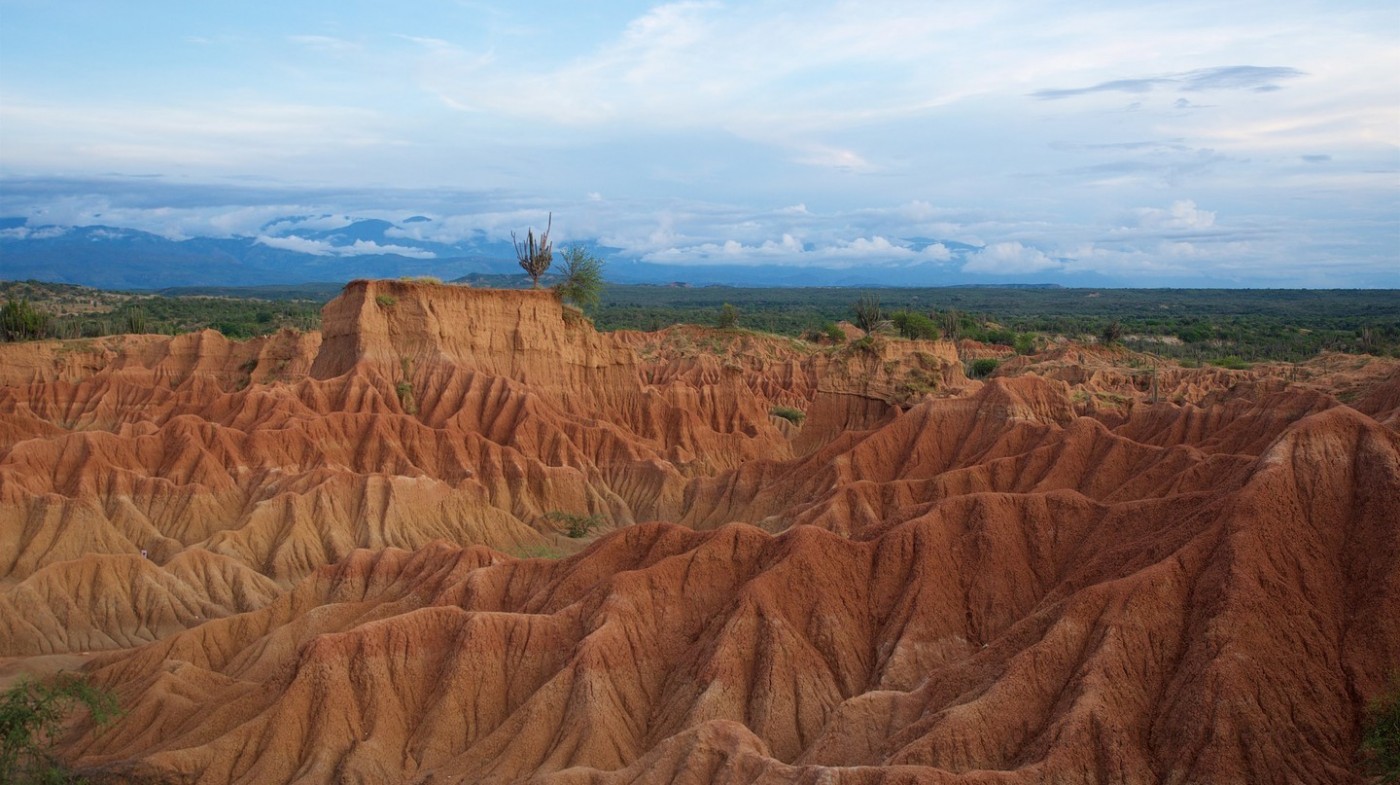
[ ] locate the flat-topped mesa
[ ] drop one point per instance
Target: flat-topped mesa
(406, 328)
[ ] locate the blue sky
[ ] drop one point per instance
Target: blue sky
(1241, 143)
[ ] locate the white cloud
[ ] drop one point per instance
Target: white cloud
(324, 222)
(1183, 215)
(325, 248)
(298, 244)
(938, 252)
(1009, 258)
(41, 233)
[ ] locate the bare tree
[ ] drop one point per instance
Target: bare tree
(535, 256)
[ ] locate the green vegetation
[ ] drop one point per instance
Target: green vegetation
(575, 526)
(728, 317)
(1231, 362)
(915, 326)
(1193, 326)
(1190, 325)
(535, 257)
(869, 316)
(1380, 746)
(20, 321)
(32, 714)
(980, 369)
(66, 311)
(386, 300)
(1112, 332)
(794, 416)
(581, 279)
(405, 393)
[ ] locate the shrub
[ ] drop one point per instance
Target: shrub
(20, 321)
(834, 332)
(915, 326)
(1000, 337)
(1112, 332)
(385, 300)
(866, 346)
(405, 391)
(581, 280)
(982, 368)
(794, 416)
(1380, 746)
(1230, 362)
(728, 317)
(575, 526)
(32, 714)
(1025, 343)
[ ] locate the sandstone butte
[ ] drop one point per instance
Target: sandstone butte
(1078, 571)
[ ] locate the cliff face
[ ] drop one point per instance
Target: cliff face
(1069, 572)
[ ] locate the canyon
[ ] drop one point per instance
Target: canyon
(336, 557)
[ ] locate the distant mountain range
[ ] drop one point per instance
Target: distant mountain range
(294, 251)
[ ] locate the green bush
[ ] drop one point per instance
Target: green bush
(581, 278)
(1230, 362)
(728, 317)
(979, 369)
(575, 526)
(20, 321)
(385, 300)
(32, 714)
(915, 326)
(1380, 746)
(406, 400)
(794, 416)
(834, 332)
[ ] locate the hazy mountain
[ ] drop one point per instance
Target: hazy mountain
(296, 249)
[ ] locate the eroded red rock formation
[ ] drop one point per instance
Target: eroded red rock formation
(1071, 572)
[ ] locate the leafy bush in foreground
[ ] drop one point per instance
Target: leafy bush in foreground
(31, 715)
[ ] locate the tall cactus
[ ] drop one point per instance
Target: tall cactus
(535, 257)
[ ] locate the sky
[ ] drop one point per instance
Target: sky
(1162, 143)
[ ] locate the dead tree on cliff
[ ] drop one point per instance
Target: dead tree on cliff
(535, 257)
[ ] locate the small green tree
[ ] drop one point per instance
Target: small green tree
(32, 714)
(581, 278)
(983, 367)
(728, 317)
(535, 256)
(915, 325)
(1112, 332)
